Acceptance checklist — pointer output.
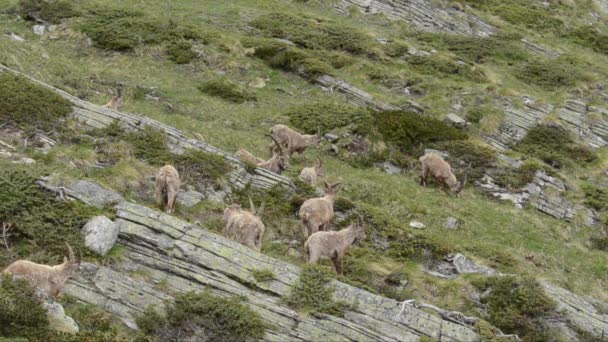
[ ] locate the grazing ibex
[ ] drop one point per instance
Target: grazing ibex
(248, 157)
(292, 140)
(318, 213)
(279, 160)
(244, 226)
(116, 100)
(50, 279)
(333, 245)
(167, 186)
(310, 175)
(433, 165)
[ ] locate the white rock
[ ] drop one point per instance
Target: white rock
(39, 29)
(16, 37)
(100, 234)
(451, 223)
(417, 225)
(58, 320)
(26, 161)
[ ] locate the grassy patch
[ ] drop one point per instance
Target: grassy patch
(591, 37)
(30, 106)
(515, 179)
(218, 318)
(595, 197)
(549, 74)
(521, 12)
(51, 11)
(442, 67)
(263, 275)
(226, 89)
(21, 311)
(325, 116)
(181, 52)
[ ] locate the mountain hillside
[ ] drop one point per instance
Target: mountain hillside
(511, 93)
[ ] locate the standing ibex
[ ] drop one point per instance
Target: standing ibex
(310, 175)
(167, 186)
(292, 140)
(50, 279)
(317, 213)
(116, 100)
(433, 165)
(333, 245)
(244, 226)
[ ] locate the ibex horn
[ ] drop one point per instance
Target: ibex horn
(71, 256)
(261, 209)
(251, 206)
(276, 143)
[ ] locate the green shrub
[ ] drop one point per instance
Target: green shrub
(325, 116)
(314, 33)
(31, 106)
(498, 47)
(414, 246)
(181, 52)
(440, 67)
(517, 305)
(226, 89)
(408, 130)
(474, 158)
(521, 12)
(217, 318)
(548, 74)
(312, 292)
(595, 197)
(515, 179)
(122, 29)
(51, 11)
(21, 311)
(476, 113)
(555, 146)
(591, 37)
(263, 275)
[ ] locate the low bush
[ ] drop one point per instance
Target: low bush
(440, 67)
(312, 293)
(595, 197)
(203, 316)
(477, 113)
(31, 106)
(408, 130)
(314, 33)
(325, 116)
(51, 11)
(181, 52)
(548, 74)
(591, 37)
(555, 146)
(21, 311)
(417, 247)
(226, 89)
(515, 179)
(521, 12)
(517, 306)
(263, 275)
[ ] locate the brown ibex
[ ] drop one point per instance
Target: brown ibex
(279, 161)
(244, 226)
(167, 186)
(310, 175)
(248, 157)
(333, 245)
(50, 279)
(292, 140)
(433, 165)
(318, 213)
(116, 101)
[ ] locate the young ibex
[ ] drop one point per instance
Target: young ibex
(116, 100)
(50, 279)
(167, 186)
(292, 140)
(310, 175)
(244, 226)
(279, 161)
(333, 245)
(318, 213)
(433, 165)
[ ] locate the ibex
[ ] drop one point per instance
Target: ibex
(310, 175)
(167, 186)
(318, 213)
(292, 140)
(433, 165)
(116, 100)
(279, 160)
(333, 245)
(248, 157)
(244, 226)
(50, 279)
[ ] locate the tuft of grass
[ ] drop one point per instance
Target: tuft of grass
(30, 106)
(52, 11)
(181, 52)
(226, 89)
(263, 275)
(441, 67)
(591, 37)
(548, 74)
(515, 179)
(325, 116)
(522, 13)
(221, 319)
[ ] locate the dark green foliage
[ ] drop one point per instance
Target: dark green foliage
(517, 305)
(477, 113)
(520, 12)
(41, 224)
(440, 67)
(312, 292)
(325, 116)
(181, 52)
(196, 166)
(413, 246)
(226, 89)
(21, 311)
(263, 275)
(51, 11)
(217, 318)
(555, 146)
(277, 203)
(94, 323)
(591, 37)
(31, 106)
(599, 240)
(595, 197)
(314, 33)
(121, 29)
(408, 130)
(548, 74)
(471, 157)
(515, 179)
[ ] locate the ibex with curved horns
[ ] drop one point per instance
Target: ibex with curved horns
(295, 142)
(433, 165)
(318, 213)
(244, 226)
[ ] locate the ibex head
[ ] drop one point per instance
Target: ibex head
(331, 189)
(70, 263)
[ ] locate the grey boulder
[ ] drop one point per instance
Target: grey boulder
(100, 234)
